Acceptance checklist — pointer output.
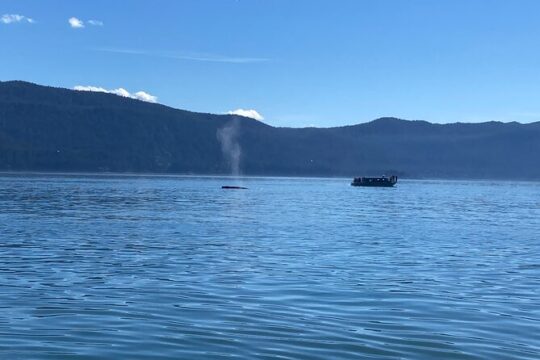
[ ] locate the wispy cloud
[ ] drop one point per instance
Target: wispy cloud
(15, 18)
(95, 22)
(139, 95)
(186, 56)
(75, 23)
(247, 113)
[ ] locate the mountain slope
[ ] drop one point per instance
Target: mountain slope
(51, 129)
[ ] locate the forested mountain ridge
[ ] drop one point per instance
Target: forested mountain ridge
(51, 129)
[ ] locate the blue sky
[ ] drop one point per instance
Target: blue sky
(297, 63)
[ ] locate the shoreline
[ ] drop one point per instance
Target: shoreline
(229, 176)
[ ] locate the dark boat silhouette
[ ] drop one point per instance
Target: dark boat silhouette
(231, 187)
(382, 181)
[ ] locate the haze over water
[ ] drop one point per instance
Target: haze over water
(97, 267)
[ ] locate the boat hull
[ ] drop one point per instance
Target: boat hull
(374, 185)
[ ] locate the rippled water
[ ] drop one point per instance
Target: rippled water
(175, 267)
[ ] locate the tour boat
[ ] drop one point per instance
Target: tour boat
(375, 181)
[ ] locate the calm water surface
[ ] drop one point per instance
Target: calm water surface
(176, 268)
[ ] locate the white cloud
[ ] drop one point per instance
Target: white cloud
(95, 22)
(139, 95)
(247, 113)
(15, 18)
(75, 23)
(90, 88)
(144, 96)
(121, 92)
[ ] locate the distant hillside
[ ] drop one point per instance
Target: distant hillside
(51, 129)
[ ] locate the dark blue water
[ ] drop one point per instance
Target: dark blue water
(176, 268)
